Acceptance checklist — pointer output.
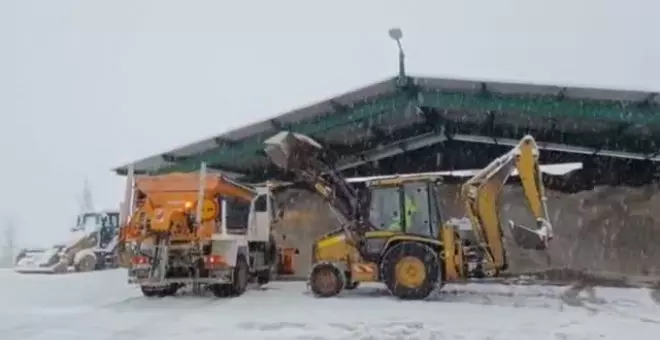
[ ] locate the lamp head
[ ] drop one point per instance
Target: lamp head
(395, 33)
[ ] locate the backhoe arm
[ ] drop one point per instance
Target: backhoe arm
(481, 197)
(305, 158)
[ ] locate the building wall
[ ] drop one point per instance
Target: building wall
(611, 229)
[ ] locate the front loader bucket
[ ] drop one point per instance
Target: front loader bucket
(290, 151)
(528, 238)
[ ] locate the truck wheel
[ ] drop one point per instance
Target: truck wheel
(239, 280)
(170, 290)
(221, 290)
(326, 280)
(411, 270)
(86, 264)
(263, 276)
(241, 276)
(149, 291)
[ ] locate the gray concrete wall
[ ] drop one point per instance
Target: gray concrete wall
(612, 229)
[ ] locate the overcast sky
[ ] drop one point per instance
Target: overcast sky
(89, 85)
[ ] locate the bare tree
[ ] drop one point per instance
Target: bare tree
(8, 245)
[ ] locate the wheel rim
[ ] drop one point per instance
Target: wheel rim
(410, 272)
(325, 280)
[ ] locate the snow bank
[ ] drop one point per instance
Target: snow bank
(608, 229)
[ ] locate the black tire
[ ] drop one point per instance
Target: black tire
(86, 264)
(239, 280)
(351, 285)
(150, 291)
(170, 290)
(326, 280)
(263, 276)
(420, 257)
(221, 290)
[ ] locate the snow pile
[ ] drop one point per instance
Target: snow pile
(608, 229)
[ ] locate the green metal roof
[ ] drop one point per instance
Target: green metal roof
(397, 103)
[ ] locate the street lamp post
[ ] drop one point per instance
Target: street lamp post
(396, 34)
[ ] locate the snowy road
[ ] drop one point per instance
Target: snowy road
(102, 306)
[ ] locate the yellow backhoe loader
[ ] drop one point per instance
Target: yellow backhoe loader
(392, 227)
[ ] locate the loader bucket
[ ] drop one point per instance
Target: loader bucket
(290, 151)
(528, 238)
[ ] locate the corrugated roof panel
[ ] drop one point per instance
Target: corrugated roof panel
(523, 89)
(348, 135)
(152, 162)
(448, 84)
(642, 131)
(602, 94)
(195, 148)
(248, 131)
(310, 112)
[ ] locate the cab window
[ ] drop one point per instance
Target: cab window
(436, 209)
(416, 205)
(237, 215)
(384, 210)
(261, 204)
(110, 220)
(88, 222)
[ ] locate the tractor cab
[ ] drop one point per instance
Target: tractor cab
(106, 224)
(405, 205)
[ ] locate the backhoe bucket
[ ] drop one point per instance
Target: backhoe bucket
(528, 238)
(291, 151)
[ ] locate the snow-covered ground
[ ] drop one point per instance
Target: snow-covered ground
(102, 306)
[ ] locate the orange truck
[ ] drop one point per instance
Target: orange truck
(200, 230)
